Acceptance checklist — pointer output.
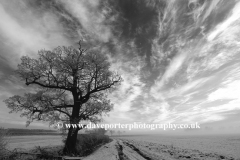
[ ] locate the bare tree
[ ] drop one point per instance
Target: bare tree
(71, 85)
(111, 132)
(119, 132)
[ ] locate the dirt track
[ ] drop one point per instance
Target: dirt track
(121, 149)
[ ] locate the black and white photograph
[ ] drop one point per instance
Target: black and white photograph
(119, 79)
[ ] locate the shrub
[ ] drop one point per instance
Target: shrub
(47, 152)
(99, 131)
(3, 143)
(87, 143)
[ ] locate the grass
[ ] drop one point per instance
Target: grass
(86, 144)
(39, 153)
(3, 143)
(19, 154)
(24, 132)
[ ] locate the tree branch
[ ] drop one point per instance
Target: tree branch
(65, 106)
(47, 86)
(59, 110)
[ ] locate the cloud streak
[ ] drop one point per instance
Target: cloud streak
(223, 26)
(34, 31)
(91, 18)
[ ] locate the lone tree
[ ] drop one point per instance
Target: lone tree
(111, 132)
(69, 85)
(119, 133)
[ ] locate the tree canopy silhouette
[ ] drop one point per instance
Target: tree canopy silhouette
(71, 85)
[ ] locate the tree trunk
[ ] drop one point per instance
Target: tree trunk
(71, 141)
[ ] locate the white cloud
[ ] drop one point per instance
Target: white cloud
(207, 118)
(201, 114)
(90, 17)
(165, 114)
(192, 85)
(15, 33)
(230, 91)
(212, 6)
(130, 88)
(232, 105)
(174, 66)
(223, 26)
(45, 31)
(171, 70)
(233, 74)
(26, 36)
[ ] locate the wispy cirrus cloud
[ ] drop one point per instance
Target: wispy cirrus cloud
(92, 18)
(131, 87)
(171, 70)
(22, 34)
(229, 91)
(179, 60)
(188, 83)
(234, 16)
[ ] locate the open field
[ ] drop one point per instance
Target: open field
(227, 145)
(29, 142)
(27, 132)
(128, 149)
(149, 147)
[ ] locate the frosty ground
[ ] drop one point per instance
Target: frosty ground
(149, 147)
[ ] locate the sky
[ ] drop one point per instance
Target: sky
(179, 58)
